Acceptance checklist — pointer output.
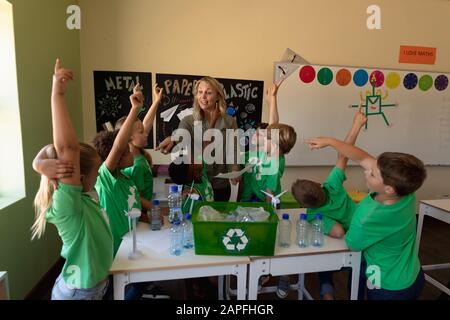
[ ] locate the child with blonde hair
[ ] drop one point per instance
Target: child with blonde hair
(273, 141)
(81, 223)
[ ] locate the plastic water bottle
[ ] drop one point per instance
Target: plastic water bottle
(155, 216)
(284, 231)
(176, 239)
(188, 232)
(302, 231)
(317, 231)
(175, 202)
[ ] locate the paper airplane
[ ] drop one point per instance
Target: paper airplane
(235, 174)
(168, 114)
(283, 71)
(184, 113)
(291, 56)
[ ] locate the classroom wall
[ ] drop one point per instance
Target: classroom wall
(242, 39)
(40, 36)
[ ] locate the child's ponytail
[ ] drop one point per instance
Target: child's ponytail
(43, 200)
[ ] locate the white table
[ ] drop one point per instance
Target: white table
(157, 264)
(333, 255)
(438, 209)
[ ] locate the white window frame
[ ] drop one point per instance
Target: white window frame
(12, 175)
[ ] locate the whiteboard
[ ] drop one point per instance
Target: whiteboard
(416, 119)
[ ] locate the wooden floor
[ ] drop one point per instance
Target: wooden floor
(434, 248)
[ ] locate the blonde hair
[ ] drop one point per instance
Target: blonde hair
(198, 113)
(287, 136)
(43, 198)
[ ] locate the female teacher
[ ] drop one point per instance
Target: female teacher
(210, 108)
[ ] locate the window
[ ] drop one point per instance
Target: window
(12, 180)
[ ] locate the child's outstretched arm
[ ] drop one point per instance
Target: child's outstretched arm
(271, 97)
(354, 153)
(64, 136)
(359, 120)
(150, 116)
(46, 163)
(121, 142)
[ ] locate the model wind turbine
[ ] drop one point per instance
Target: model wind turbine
(133, 214)
(275, 199)
(194, 197)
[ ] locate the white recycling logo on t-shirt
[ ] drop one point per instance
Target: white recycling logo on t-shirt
(235, 233)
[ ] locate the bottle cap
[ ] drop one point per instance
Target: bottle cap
(318, 216)
(155, 202)
(286, 216)
(176, 222)
(303, 216)
(187, 216)
(174, 188)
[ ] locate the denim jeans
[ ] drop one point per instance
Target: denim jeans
(326, 283)
(411, 293)
(135, 290)
(61, 291)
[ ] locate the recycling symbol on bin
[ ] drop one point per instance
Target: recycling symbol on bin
(235, 239)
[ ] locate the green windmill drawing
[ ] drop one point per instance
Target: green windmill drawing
(373, 103)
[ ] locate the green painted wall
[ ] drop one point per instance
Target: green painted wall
(41, 36)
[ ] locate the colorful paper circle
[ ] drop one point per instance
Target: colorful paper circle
(410, 81)
(343, 77)
(425, 82)
(441, 82)
(307, 74)
(392, 80)
(325, 76)
(360, 77)
(378, 77)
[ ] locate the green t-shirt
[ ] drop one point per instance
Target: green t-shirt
(84, 230)
(142, 176)
(265, 174)
(339, 207)
(203, 188)
(118, 194)
(387, 236)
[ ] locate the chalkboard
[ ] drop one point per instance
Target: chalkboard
(112, 96)
(408, 111)
(243, 97)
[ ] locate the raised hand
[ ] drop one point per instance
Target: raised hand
(137, 88)
(272, 91)
(157, 92)
(137, 99)
(61, 78)
(359, 119)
